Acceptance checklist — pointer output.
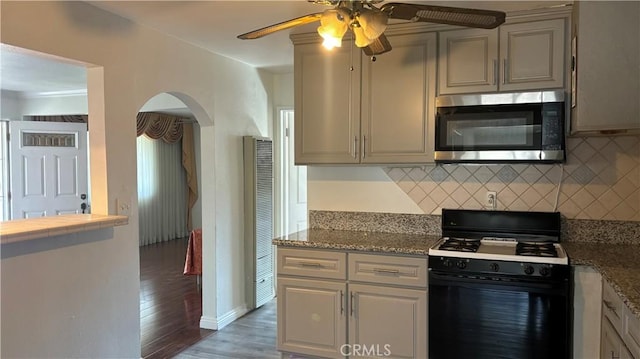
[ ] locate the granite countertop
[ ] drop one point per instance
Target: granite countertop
(400, 243)
(619, 264)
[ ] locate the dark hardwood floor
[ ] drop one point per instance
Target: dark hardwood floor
(170, 302)
(171, 307)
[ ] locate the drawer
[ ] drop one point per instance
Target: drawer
(264, 290)
(612, 306)
(376, 268)
(631, 332)
(312, 263)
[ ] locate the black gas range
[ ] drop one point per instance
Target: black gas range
(499, 286)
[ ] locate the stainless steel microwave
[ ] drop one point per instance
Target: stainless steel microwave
(501, 127)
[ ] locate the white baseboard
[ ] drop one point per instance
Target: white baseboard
(208, 323)
(223, 320)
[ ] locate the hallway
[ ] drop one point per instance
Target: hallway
(170, 302)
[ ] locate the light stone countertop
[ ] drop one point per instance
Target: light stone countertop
(18, 230)
(619, 264)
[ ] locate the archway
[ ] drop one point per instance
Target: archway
(170, 302)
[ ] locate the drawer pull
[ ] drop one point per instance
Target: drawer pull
(386, 271)
(610, 306)
(311, 264)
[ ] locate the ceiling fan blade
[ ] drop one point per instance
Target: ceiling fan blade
(485, 19)
(378, 46)
(302, 20)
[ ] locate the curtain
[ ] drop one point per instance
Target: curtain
(189, 164)
(159, 125)
(172, 129)
(162, 191)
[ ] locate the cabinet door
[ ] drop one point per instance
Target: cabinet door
(386, 321)
(612, 346)
(311, 317)
(398, 94)
(587, 311)
(468, 61)
(327, 123)
(607, 66)
(532, 55)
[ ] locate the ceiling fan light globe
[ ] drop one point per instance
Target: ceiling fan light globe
(333, 26)
(361, 39)
(331, 37)
(374, 23)
(331, 42)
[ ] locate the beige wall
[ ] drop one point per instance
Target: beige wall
(77, 296)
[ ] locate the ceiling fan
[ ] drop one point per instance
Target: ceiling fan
(368, 22)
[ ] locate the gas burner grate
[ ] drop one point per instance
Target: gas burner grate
(536, 249)
(460, 245)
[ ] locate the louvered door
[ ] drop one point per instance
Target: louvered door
(258, 166)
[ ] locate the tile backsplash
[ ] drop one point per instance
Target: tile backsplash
(600, 180)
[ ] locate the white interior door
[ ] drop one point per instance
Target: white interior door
(48, 168)
(295, 180)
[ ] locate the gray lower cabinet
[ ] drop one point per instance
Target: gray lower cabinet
(335, 304)
(615, 323)
(311, 317)
(612, 346)
(603, 324)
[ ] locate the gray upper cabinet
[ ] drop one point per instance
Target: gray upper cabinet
(327, 111)
(607, 92)
(350, 109)
(398, 95)
(513, 57)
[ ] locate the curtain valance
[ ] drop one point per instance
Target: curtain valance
(159, 125)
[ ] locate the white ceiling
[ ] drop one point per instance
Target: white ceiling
(212, 25)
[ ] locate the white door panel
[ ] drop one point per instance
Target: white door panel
(48, 168)
(296, 177)
(33, 176)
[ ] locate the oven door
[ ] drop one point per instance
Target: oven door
(480, 317)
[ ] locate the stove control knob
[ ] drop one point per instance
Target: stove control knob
(447, 263)
(461, 264)
(528, 269)
(544, 271)
(494, 267)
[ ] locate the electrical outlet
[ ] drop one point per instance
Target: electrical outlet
(123, 207)
(491, 200)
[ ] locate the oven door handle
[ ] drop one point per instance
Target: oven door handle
(497, 283)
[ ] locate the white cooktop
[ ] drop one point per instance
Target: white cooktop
(501, 250)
